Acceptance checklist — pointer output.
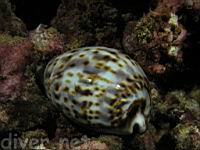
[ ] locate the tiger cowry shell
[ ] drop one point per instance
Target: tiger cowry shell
(100, 88)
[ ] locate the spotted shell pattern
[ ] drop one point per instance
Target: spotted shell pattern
(100, 88)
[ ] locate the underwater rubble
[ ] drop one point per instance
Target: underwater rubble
(163, 38)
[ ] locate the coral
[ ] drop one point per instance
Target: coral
(187, 136)
(14, 54)
(11, 87)
(28, 111)
(47, 40)
(76, 42)
(7, 39)
(163, 44)
(155, 41)
(178, 107)
(88, 22)
(19, 119)
(176, 118)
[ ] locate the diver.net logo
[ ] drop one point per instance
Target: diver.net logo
(12, 141)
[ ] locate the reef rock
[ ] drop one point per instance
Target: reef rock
(47, 40)
(14, 54)
(90, 22)
(156, 39)
(10, 24)
(28, 111)
(177, 118)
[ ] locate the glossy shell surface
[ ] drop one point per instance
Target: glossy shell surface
(100, 88)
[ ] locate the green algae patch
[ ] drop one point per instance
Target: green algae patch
(8, 39)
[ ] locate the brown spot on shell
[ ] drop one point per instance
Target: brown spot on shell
(56, 96)
(96, 117)
(123, 84)
(129, 79)
(132, 88)
(99, 64)
(85, 92)
(65, 99)
(113, 52)
(90, 104)
(113, 71)
(96, 88)
(120, 65)
(74, 102)
(81, 55)
(66, 89)
(90, 117)
(72, 65)
(97, 112)
(74, 50)
(57, 75)
(107, 68)
(86, 49)
(114, 60)
(69, 57)
(99, 49)
(111, 117)
(67, 109)
(107, 57)
(70, 74)
(95, 52)
(80, 75)
(61, 66)
(56, 86)
(99, 95)
(91, 112)
(137, 77)
(86, 62)
(123, 95)
(83, 104)
(73, 93)
(96, 104)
